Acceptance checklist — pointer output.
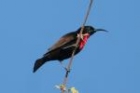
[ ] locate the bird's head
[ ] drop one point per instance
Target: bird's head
(90, 30)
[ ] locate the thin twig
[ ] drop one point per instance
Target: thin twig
(77, 42)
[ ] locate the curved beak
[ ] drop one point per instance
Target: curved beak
(100, 30)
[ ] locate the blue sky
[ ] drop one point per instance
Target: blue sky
(109, 62)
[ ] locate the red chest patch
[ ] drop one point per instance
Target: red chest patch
(83, 42)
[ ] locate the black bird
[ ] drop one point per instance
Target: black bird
(64, 47)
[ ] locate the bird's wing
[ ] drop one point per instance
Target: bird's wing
(64, 40)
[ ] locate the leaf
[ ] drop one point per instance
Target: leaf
(73, 90)
(61, 87)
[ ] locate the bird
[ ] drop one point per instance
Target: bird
(64, 47)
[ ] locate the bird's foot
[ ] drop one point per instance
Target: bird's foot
(67, 69)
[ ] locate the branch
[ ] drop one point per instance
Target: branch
(77, 42)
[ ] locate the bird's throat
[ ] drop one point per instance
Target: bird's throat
(83, 41)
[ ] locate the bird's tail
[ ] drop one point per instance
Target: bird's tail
(39, 62)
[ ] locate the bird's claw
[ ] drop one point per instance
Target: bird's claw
(67, 69)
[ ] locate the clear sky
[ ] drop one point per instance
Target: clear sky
(109, 63)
